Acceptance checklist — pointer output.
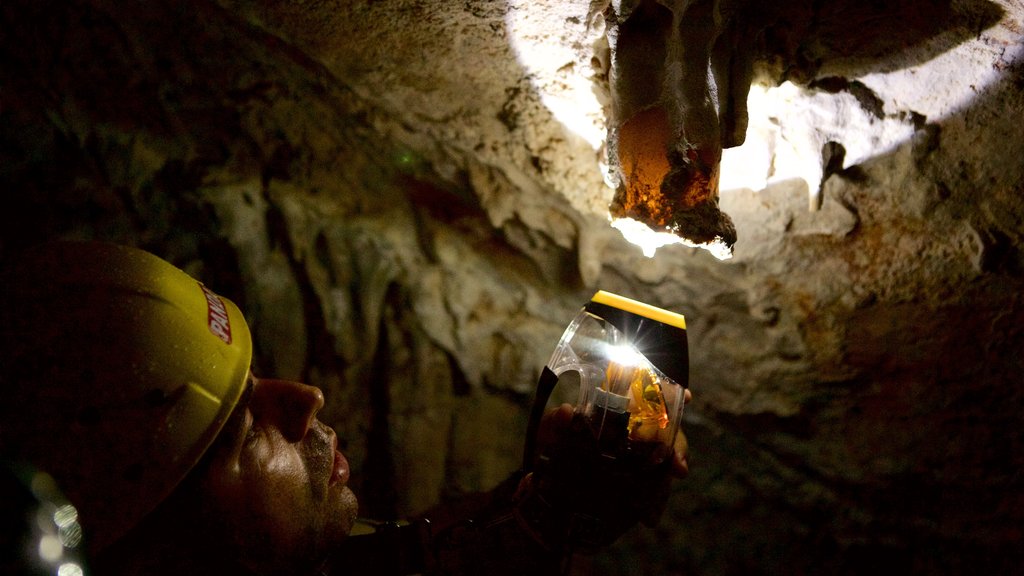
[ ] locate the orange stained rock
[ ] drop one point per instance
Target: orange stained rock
(644, 144)
(643, 158)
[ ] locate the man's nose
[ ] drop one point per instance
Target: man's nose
(291, 406)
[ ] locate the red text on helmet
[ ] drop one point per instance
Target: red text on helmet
(217, 315)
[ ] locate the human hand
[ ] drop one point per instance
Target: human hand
(578, 482)
(556, 422)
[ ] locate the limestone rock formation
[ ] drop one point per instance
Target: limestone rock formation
(410, 200)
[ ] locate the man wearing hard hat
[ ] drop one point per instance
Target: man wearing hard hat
(129, 382)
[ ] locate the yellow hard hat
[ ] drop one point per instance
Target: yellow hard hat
(118, 371)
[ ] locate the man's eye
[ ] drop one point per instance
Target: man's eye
(252, 434)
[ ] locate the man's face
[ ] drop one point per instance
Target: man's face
(277, 481)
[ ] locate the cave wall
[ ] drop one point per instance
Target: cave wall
(384, 188)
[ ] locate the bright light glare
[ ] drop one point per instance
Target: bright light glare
(789, 125)
(750, 165)
(553, 60)
(641, 234)
(70, 569)
(624, 355)
(788, 129)
(50, 548)
(650, 240)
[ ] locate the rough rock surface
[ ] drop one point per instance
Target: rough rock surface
(410, 204)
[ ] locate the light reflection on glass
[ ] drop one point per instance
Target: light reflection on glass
(624, 354)
(47, 525)
(50, 548)
(70, 569)
(66, 515)
(57, 528)
(70, 535)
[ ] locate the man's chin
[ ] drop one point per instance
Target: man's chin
(347, 510)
